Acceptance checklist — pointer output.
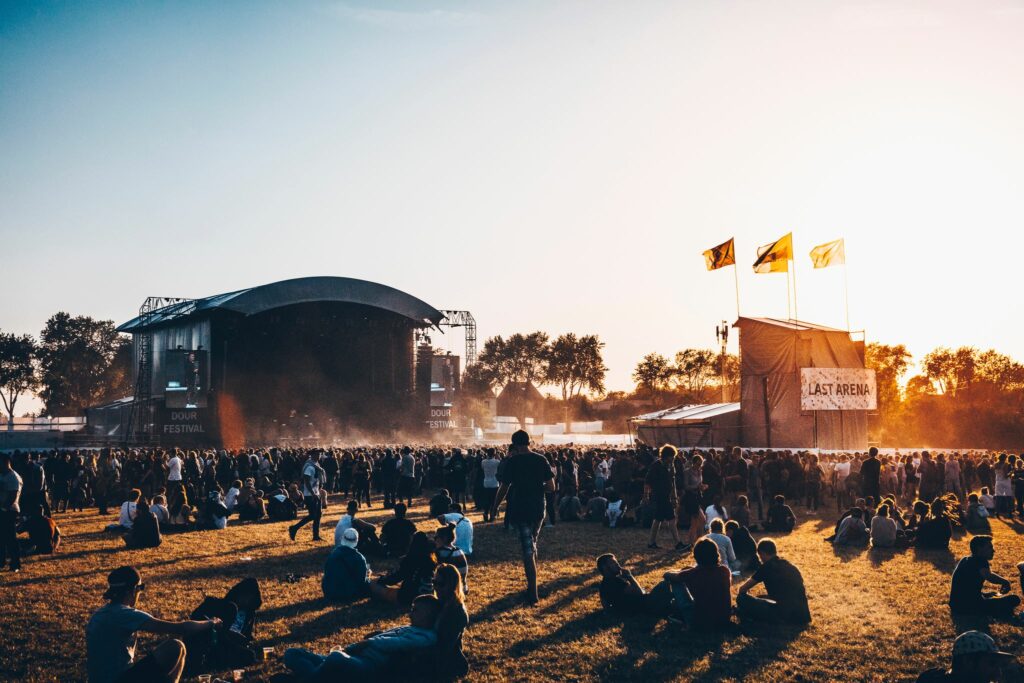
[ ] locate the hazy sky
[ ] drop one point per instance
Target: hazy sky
(546, 165)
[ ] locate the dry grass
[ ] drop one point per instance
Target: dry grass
(878, 616)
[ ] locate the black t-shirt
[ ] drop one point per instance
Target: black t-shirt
(526, 474)
(785, 586)
(661, 478)
(965, 589)
(614, 596)
(397, 534)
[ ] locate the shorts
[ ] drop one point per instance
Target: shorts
(664, 510)
(144, 670)
(528, 534)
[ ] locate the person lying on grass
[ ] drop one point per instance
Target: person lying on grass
(372, 658)
(622, 594)
(110, 636)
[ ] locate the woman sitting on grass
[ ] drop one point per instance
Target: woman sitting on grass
(145, 532)
(446, 552)
(180, 510)
(414, 575)
(451, 662)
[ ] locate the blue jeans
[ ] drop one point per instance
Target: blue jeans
(310, 666)
(670, 599)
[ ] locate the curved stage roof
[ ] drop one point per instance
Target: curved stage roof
(287, 292)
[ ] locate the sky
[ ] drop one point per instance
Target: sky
(545, 165)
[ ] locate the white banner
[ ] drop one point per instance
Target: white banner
(838, 389)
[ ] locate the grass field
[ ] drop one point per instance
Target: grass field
(878, 615)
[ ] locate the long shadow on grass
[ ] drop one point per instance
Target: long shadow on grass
(943, 560)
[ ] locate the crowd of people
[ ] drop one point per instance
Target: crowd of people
(711, 502)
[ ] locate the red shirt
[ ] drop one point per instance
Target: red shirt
(712, 599)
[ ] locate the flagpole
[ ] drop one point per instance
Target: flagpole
(796, 311)
(736, 277)
(789, 298)
(846, 290)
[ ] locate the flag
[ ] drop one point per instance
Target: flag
(722, 255)
(829, 254)
(775, 257)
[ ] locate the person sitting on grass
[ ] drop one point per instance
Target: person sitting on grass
(214, 514)
(231, 501)
(128, 510)
(369, 544)
(414, 575)
(709, 584)
(441, 503)
(397, 532)
(780, 516)
(570, 509)
(616, 508)
(145, 531)
(446, 551)
(43, 534)
(463, 528)
(740, 512)
(110, 636)
(935, 531)
(450, 661)
(970, 575)
(621, 593)
(374, 658)
(977, 516)
(787, 598)
(975, 659)
(743, 544)
(159, 509)
(883, 529)
(597, 507)
(852, 530)
(346, 572)
(724, 543)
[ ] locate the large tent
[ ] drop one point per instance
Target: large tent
(772, 352)
(710, 425)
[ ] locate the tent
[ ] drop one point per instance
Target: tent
(711, 425)
(772, 352)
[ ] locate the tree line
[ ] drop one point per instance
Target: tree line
(76, 362)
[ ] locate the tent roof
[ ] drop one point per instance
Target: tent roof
(287, 292)
(798, 325)
(690, 413)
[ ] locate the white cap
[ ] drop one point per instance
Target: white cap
(350, 538)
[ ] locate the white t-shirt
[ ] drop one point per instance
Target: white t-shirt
(310, 479)
(463, 531)
(160, 512)
(127, 514)
(712, 514)
(842, 471)
(231, 498)
(174, 469)
(490, 468)
(603, 469)
(344, 524)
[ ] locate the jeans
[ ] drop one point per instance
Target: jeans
(313, 513)
(337, 666)
(670, 599)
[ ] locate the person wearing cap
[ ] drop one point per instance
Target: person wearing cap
(10, 492)
(976, 659)
(110, 636)
(970, 575)
(525, 478)
(346, 572)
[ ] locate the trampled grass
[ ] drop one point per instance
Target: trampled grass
(878, 615)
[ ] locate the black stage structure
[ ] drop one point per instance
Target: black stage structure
(324, 357)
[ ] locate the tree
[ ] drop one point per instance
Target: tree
(574, 364)
(519, 359)
(17, 370)
(890, 363)
(81, 362)
(694, 370)
(652, 373)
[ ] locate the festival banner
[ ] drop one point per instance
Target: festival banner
(838, 389)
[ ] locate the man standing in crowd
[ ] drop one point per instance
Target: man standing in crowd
(311, 494)
(661, 487)
(407, 478)
(870, 475)
(525, 478)
(10, 493)
(787, 598)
